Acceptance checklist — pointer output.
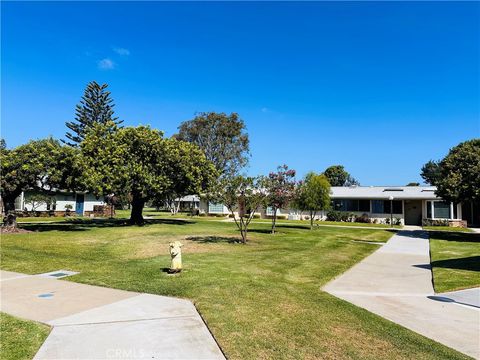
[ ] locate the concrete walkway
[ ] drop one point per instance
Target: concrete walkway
(466, 297)
(91, 322)
(395, 282)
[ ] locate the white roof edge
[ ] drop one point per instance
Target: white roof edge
(382, 192)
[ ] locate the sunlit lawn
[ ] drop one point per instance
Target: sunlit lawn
(20, 339)
(262, 300)
(455, 260)
(447, 228)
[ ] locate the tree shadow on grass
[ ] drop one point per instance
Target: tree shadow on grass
(278, 229)
(213, 239)
(423, 266)
(471, 263)
(293, 226)
(87, 224)
(455, 236)
(260, 231)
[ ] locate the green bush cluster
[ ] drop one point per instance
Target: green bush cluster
(435, 222)
(341, 216)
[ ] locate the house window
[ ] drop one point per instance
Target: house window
(269, 211)
(351, 205)
(364, 205)
(215, 208)
(441, 210)
(383, 207)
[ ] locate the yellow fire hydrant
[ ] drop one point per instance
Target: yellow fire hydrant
(176, 254)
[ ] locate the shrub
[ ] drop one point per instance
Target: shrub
(362, 219)
(334, 215)
(202, 214)
(282, 217)
(435, 222)
(68, 209)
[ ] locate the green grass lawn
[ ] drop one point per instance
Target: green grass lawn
(306, 223)
(447, 228)
(20, 339)
(262, 300)
(455, 258)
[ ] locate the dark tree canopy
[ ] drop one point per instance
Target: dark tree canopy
(413, 184)
(431, 172)
(222, 137)
(140, 162)
(338, 176)
(459, 179)
(96, 106)
(41, 165)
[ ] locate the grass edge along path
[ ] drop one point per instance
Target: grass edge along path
(20, 339)
(455, 260)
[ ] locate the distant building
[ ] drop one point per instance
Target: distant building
(82, 204)
(411, 205)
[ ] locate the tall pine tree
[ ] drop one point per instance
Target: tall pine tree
(96, 106)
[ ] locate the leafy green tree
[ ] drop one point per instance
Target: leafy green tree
(187, 179)
(96, 106)
(222, 137)
(313, 195)
(459, 179)
(413, 184)
(38, 199)
(242, 196)
(338, 176)
(39, 165)
(280, 188)
(141, 163)
(431, 172)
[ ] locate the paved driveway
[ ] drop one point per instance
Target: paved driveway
(91, 322)
(396, 282)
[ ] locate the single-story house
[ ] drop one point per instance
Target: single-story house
(79, 203)
(410, 205)
(189, 203)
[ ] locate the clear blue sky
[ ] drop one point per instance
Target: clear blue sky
(379, 87)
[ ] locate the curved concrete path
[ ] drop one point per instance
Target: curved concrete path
(91, 322)
(395, 282)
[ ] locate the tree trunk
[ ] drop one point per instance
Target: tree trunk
(136, 217)
(274, 220)
(243, 230)
(10, 221)
(9, 204)
(10, 218)
(311, 219)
